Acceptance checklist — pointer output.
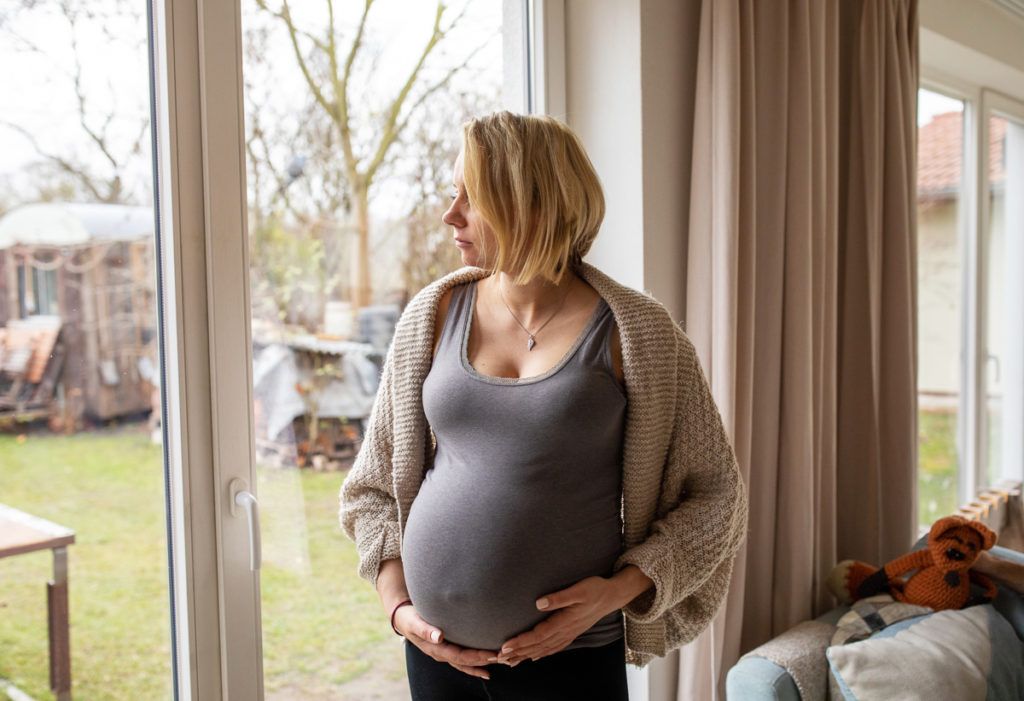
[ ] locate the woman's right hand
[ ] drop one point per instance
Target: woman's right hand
(430, 640)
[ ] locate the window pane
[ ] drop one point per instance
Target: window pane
(346, 190)
(939, 169)
(79, 408)
(1005, 313)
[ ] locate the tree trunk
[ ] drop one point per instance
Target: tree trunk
(361, 285)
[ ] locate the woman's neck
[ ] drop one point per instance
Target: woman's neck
(533, 301)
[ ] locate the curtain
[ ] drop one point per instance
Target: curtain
(800, 296)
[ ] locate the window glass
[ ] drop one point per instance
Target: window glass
(1005, 300)
(940, 267)
(353, 115)
(80, 445)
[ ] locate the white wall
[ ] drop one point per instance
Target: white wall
(965, 39)
(630, 76)
(630, 73)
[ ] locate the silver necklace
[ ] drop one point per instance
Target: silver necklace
(532, 341)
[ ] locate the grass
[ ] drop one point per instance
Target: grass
(937, 465)
(322, 626)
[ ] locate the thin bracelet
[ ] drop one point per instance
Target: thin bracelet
(400, 604)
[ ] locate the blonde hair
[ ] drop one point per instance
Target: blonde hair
(531, 180)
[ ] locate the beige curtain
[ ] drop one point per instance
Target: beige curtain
(800, 295)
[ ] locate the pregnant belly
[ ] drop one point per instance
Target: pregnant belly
(475, 567)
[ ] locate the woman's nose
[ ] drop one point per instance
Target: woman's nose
(452, 216)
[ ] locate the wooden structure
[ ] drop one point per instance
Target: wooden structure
(31, 361)
(90, 266)
(22, 533)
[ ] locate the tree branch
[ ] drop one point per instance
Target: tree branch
(341, 93)
(285, 16)
(391, 130)
(434, 88)
(81, 175)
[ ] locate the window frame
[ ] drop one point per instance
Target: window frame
(993, 104)
(980, 102)
(204, 311)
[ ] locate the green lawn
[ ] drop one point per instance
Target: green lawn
(322, 626)
(937, 465)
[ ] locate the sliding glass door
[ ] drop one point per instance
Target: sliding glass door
(304, 164)
(352, 115)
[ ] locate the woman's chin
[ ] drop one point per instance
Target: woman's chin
(469, 257)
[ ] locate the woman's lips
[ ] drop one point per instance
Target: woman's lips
(461, 243)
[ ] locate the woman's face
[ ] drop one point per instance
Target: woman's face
(473, 236)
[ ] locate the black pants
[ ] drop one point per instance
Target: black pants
(587, 674)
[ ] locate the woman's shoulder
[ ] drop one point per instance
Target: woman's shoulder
(422, 308)
(634, 311)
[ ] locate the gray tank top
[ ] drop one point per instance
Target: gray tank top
(524, 496)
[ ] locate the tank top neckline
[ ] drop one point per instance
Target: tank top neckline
(494, 379)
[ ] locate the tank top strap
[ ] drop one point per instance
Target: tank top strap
(595, 349)
(460, 310)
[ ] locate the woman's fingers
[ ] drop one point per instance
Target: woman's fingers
(566, 597)
(472, 671)
(408, 623)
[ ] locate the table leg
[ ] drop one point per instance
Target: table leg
(59, 628)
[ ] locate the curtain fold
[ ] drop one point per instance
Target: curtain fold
(800, 295)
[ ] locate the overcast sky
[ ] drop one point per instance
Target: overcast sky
(38, 89)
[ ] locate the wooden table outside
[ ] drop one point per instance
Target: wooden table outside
(24, 533)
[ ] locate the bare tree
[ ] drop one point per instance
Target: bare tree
(327, 61)
(103, 161)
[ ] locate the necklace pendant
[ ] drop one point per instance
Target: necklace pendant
(530, 344)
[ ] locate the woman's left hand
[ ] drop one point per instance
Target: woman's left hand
(575, 609)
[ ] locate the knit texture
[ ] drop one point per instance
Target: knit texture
(684, 505)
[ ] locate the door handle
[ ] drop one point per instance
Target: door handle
(241, 498)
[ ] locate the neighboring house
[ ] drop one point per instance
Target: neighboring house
(91, 265)
(940, 256)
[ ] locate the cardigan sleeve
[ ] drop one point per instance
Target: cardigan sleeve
(689, 550)
(369, 511)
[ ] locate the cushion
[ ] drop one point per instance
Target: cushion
(967, 654)
(872, 614)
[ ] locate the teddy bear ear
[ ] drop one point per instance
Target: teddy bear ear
(944, 524)
(988, 536)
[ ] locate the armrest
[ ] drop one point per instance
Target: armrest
(790, 667)
(758, 679)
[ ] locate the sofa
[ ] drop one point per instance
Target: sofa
(976, 652)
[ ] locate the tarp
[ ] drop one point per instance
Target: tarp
(72, 224)
(276, 375)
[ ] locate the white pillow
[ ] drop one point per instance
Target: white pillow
(945, 655)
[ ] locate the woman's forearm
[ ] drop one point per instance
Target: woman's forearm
(391, 584)
(629, 583)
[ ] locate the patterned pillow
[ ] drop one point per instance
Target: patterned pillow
(872, 614)
(967, 654)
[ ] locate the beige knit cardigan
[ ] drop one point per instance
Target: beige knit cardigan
(684, 505)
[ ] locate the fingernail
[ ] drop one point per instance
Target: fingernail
(542, 603)
(493, 659)
(507, 651)
(435, 636)
(513, 665)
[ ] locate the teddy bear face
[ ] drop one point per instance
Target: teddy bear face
(956, 548)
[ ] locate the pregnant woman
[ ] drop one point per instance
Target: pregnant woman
(545, 489)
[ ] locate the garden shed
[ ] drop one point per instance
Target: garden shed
(90, 267)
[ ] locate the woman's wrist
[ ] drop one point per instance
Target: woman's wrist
(391, 585)
(627, 584)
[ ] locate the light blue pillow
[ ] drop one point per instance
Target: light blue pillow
(966, 654)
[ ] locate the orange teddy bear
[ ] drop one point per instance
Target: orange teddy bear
(943, 577)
